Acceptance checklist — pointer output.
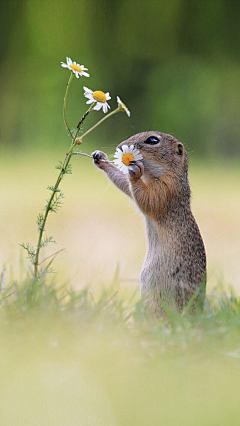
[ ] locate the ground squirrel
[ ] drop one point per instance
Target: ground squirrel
(174, 268)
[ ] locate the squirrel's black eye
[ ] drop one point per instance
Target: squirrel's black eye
(152, 140)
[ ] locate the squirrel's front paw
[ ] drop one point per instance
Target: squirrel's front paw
(136, 169)
(99, 158)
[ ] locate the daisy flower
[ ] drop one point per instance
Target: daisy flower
(125, 156)
(100, 97)
(123, 107)
(77, 69)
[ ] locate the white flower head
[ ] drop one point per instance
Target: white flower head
(123, 107)
(125, 156)
(78, 70)
(100, 97)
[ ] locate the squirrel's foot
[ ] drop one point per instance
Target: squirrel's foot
(99, 158)
(136, 169)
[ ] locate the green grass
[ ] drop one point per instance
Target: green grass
(83, 358)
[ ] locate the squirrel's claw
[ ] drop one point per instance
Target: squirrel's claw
(100, 159)
(136, 169)
(99, 156)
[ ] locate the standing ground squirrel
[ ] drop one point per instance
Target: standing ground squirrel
(174, 269)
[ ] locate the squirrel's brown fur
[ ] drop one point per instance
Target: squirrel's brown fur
(175, 264)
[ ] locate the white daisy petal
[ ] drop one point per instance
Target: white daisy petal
(118, 164)
(105, 107)
(98, 106)
(87, 90)
(118, 153)
(123, 107)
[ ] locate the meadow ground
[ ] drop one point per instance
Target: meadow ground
(69, 358)
(100, 228)
(86, 353)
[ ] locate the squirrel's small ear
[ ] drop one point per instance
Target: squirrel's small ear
(178, 148)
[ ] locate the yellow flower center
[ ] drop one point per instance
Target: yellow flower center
(76, 68)
(127, 158)
(99, 96)
(124, 106)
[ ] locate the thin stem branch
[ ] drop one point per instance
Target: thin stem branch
(90, 156)
(84, 116)
(65, 104)
(51, 255)
(82, 153)
(100, 122)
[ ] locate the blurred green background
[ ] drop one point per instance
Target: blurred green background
(175, 63)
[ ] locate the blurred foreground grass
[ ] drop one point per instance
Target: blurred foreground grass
(68, 358)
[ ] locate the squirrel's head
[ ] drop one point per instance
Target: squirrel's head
(162, 154)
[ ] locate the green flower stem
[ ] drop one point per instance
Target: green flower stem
(48, 207)
(90, 156)
(84, 116)
(60, 176)
(82, 153)
(100, 122)
(65, 104)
